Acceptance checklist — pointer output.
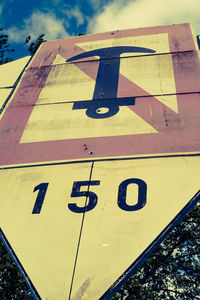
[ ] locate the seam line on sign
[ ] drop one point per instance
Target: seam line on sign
(109, 58)
(99, 160)
(80, 234)
(110, 99)
(14, 86)
(14, 257)
(6, 87)
(132, 269)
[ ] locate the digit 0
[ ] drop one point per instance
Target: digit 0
(122, 193)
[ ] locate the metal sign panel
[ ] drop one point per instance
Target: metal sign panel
(97, 141)
(150, 90)
(9, 73)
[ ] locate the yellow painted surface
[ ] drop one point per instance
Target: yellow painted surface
(112, 238)
(9, 72)
(157, 42)
(194, 37)
(4, 93)
(170, 101)
(154, 74)
(59, 59)
(66, 83)
(60, 121)
(44, 243)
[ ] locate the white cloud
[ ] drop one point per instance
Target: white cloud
(144, 13)
(78, 15)
(96, 4)
(99, 5)
(75, 13)
(39, 23)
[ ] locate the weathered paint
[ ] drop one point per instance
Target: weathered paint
(151, 128)
(139, 76)
(43, 125)
(180, 40)
(133, 165)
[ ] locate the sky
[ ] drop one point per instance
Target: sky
(63, 18)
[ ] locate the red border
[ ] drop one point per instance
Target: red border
(177, 132)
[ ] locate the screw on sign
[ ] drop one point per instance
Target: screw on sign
(100, 157)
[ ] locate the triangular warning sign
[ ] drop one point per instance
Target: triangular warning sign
(131, 205)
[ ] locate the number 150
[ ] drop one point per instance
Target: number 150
(92, 198)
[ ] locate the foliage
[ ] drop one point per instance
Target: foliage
(12, 285)
(173, 272)
(34, 45)
(5, 48)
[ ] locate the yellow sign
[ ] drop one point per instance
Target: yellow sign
(70, 244)
(99, 157)
(9, 73)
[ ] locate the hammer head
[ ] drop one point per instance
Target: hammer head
(111, 52)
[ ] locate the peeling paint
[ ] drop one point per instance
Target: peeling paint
(82, 292)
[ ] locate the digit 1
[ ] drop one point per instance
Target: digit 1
(142, 194)
(42, 187)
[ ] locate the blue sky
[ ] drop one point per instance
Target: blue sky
(64, 18)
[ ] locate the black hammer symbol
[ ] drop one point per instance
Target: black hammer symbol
(105, 103)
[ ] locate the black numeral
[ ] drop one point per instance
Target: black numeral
(142, 194)
(92, 198)
(42, 187)
(90, 195)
